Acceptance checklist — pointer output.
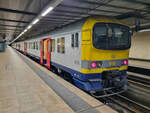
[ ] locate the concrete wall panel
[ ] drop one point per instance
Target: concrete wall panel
(140, 47)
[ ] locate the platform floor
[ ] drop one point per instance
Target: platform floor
(142, 64)
(23, 91)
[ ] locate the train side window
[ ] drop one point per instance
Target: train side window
(76, 40)
(36, 45)
(27, 45)
(58, 45)
(33, 45)
(72, 40)
(52, 45)
(61, 45)
(39, 45)
(30, 46)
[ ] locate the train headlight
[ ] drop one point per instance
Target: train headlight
(125, 62)
(96, 64)
(93, 64)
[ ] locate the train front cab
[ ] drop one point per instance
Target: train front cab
(101, 69)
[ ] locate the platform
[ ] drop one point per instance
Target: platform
(140, 64)
(27, 87)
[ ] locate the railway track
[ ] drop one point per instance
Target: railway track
(139, 80)
(133, 105)
(129, 105)
(139, 84)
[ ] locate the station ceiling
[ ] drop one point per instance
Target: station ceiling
(15, 15)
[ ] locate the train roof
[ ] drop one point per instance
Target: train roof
(77, 26)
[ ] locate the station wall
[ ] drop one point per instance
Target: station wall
(140, 48)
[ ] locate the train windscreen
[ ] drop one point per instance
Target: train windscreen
(110, 36)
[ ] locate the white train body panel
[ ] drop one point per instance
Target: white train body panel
(72, 56)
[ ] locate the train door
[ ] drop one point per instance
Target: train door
(25, 48)
(41, 50)
(48, 52)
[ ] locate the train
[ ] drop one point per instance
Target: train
(93, 52)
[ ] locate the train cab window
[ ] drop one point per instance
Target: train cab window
(76, 44)
(61, 45)
(72, 40)
(111, 36)
(52, 45)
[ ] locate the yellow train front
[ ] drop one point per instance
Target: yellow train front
(105, 47)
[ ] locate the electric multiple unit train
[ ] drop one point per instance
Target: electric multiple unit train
(94, 51)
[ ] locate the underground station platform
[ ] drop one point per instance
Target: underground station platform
(27, 87)
(74, 56)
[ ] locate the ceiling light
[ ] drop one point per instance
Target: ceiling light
(25, 30)
(47, 11)
(29, 27)
(21, 34)
(143, 30)
(35, 21)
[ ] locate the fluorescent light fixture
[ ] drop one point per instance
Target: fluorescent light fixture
(47, 11)
(29, 27)
(20, 34)
(143, 30)
(25, 30)
(35, 21)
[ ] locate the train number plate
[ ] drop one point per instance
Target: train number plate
(112, 64)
